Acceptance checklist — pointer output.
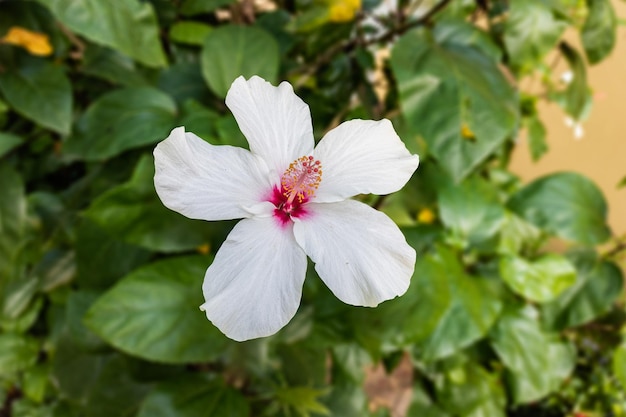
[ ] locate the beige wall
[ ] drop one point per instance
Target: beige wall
(601, 153)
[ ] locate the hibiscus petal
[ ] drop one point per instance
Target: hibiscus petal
(362, 157)
(254, 285)
(207, 182)
(276, 122)
(358, 251)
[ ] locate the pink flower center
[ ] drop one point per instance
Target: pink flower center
(297, 186)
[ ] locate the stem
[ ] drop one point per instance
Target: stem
(307, 70)
(619, 247)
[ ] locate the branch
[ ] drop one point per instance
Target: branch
(348, 46)
(619, 247)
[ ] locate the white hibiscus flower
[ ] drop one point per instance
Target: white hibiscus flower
(294, 201)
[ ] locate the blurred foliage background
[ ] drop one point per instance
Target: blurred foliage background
(100, 284)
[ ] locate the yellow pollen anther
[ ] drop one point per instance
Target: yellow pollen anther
(301, 179)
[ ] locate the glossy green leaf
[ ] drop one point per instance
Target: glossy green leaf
(111, 65)
(8, 142)
(471, 209)
(422, 405)
(12, 221)
(454, 95)
(346, 400)
(115, 392)
(531, 30)
(577, 93)
(470, 391)
(449, 309)
(35, 383)
(231, 51)
(122, 120)
(194, 7)
(153, 313)
(598, 285)
(24, 407)
(183, 81)
(192, 33)
(41, 92)
(133, 213)
(619, 363)
(600, 30)
(516, 234)
(302, 365)
(95, 248)
(537, 362)
(566, 204)
(17, 352)
(80, 356)
(541, 280)
(536, 137)
(194, 397)
(129, 26)
(302, 400)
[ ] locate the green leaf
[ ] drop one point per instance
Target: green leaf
(470, 391)
(536, 137)
(577, 92)
(24, 407)
(12, 221)
(598, 285)
(541, 280)
(302, 365)
(183, 81)
(8, 142)
(303, 400)
(346, 400)
(39, 91)
(454, 95)
(619, 363)
(566, 204)
(194, 7)
(516, 234)
(133, 213)
(129, 26)
(445, 309)
(352, 359)
(192, 33)
(423, 406)
(17, 352)
(194, 397)
(95, 248)
(231, 51)
(471, 209)
(537, 362)
(121, 120)
(112, 66)
(531, 30)
(600, 30)
(153, 313)
(115, 391)
(35, 382)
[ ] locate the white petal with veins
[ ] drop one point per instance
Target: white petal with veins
(276, 122)
(358, 251)
(363, 157)
(207, 182)
(254, 285)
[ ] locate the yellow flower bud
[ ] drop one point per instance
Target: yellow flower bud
(343, 10)
(426, 216)
(204, 249)
(34, 42)
(467, 133)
